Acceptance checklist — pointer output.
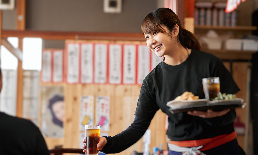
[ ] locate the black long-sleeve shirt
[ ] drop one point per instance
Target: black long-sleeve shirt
(164, 83)
(128, 137)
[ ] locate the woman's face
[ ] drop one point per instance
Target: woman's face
(58, 109)
(161, 43)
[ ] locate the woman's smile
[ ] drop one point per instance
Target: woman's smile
(157, 48)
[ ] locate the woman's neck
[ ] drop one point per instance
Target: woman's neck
(178, 56)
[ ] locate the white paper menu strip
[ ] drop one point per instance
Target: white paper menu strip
(73, 63)
(46, 66)
(87, 63)
(155, 60)
(129, 64)
(100, 63)
(115, 63)
(143, 62)
(58, 66)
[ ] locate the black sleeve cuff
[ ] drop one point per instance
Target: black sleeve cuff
(108, 144)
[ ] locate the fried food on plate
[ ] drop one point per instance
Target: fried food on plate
(186, 96)
(189, 99)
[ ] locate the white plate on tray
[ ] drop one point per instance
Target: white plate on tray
(203, 105)
(182, 104)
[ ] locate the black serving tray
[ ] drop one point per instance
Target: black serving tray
(213, 105)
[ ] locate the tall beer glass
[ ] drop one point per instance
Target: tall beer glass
(92, 133)
(211, 87)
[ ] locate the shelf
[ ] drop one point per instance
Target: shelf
(228, 51)
(242, 28)
(231, 54)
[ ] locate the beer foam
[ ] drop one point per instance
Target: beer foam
(93, 132)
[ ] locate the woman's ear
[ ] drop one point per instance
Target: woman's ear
(175, 30)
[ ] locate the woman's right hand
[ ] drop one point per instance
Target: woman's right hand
(101, 144)
(209, 113)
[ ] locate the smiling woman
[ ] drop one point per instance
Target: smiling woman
(164, 21)
(165, 36)
(184, 67)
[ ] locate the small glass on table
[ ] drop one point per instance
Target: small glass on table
(211, 87)
(92, 133)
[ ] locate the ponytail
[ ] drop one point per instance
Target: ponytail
(188, 39)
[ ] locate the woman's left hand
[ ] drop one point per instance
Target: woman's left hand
(209, 113)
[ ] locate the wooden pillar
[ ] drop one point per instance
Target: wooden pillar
(189, 8)
(189, 15)
(20, 14)
(20, 20)
(0, 30)
(181, 11)
(19, 94)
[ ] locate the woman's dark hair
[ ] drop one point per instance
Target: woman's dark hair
(52, 101)
(164, 16)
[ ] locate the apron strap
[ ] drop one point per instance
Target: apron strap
(186, 150)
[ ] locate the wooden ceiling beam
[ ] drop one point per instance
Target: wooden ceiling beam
(55, 35)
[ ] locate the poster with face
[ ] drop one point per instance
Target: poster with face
(53, 111)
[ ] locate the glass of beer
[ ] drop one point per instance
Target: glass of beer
(211, 87)
(92, 133)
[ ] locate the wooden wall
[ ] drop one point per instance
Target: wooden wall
(123, 100)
